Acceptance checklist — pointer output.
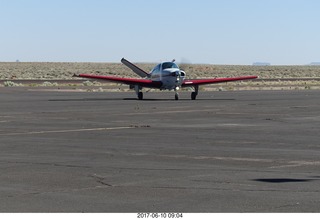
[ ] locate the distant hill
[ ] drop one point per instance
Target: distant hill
(314, 63)
(261, 64)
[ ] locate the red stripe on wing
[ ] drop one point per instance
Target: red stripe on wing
(130, 81)
(192, 82)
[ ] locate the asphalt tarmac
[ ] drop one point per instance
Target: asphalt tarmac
(245, 151)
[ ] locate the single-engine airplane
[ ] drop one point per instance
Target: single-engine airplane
(164, 76)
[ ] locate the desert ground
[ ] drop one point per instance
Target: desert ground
(270, 77)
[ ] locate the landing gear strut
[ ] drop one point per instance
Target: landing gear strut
(139, 93)
(195, 93)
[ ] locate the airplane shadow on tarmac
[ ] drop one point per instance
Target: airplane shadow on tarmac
(283, 180)
(113, 99)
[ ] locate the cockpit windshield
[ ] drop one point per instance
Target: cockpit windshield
(166, 65)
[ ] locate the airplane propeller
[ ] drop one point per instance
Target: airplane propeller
(184, 64)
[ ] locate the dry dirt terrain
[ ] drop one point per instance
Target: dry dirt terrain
(304, 77)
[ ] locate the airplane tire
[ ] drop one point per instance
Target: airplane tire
(140, 96)
(193, 95)
(176, 96)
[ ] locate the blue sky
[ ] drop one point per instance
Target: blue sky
(282, 32)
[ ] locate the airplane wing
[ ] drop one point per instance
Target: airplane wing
(194, 82)
(130, 81)
(134, 68)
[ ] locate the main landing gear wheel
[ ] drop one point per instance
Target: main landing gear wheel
(139, 93)
(140, 96)
(193, 95)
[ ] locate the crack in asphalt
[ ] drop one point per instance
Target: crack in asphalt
(46, 164)
(99, 179)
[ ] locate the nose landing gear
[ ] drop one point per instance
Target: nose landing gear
(176, 96)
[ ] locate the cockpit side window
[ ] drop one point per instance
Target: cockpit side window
(156, 69)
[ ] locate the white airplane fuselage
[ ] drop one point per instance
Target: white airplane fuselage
(169, 74)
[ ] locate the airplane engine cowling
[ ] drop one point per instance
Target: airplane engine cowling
(183, 74)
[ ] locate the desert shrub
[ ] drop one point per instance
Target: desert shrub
(11, 84)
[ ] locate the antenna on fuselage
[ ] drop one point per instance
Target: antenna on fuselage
(173, 60)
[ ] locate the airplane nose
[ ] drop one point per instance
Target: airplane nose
(175, 74)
